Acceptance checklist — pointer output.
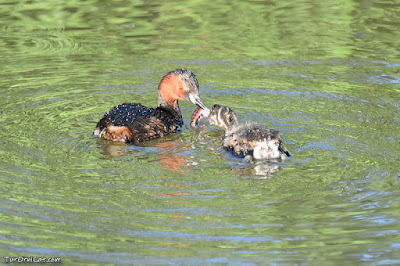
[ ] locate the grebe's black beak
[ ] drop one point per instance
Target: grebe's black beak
(195, 99)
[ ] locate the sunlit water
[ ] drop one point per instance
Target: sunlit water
(326, 74)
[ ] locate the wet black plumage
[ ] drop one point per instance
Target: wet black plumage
(145, 123)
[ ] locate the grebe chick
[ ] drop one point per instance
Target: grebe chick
(258, 141)
(134, 123)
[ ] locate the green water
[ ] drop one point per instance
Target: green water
(325, 73)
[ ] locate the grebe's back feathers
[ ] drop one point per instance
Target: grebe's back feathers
(254, 139)
(119, 115)
(134, 123)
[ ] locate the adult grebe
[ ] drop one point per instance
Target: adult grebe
(134, 123)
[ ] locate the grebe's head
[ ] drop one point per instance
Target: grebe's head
(180, 84)
(222, 116)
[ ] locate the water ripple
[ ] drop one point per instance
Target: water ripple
(53, 43)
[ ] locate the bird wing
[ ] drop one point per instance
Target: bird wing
(122, 114)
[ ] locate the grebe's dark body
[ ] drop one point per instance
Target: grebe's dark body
(134, 123)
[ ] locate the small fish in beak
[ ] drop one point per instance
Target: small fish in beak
(198, 114)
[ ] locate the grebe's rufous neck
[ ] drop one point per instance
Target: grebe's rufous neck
(134, 123)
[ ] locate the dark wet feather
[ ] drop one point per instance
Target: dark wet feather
(145, 123)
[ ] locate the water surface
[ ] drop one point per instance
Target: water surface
(326, 74)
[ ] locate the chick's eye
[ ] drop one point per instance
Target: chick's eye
(188, 91)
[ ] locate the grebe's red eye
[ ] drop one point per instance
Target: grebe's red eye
(188, 91)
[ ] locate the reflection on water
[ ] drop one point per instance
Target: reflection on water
(325, 74)
(266, 169)
(168, 151)
(169, 156)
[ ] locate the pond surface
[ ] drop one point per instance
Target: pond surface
(324, 73)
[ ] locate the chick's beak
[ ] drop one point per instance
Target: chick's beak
(195, 99)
